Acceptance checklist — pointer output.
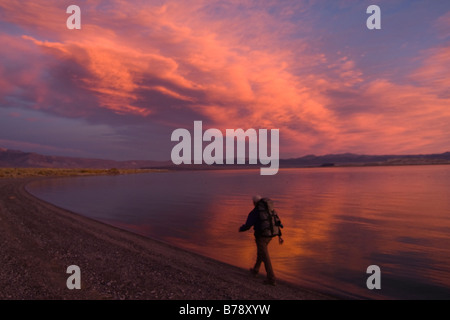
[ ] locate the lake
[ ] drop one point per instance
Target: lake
(337, 221)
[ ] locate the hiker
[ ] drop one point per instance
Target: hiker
(266, 225)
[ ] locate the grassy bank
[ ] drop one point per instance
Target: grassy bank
(49, 172)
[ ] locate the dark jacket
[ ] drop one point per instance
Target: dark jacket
(253, 220)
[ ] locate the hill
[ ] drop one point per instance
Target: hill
(20, 159)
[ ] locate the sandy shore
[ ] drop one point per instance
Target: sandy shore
(39, 241)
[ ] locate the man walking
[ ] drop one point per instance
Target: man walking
(266, 225)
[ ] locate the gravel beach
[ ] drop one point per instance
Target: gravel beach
(39, 241)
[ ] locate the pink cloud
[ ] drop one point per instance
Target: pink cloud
(434, 71)
(176, 62)
(442, 25)
(396, 119)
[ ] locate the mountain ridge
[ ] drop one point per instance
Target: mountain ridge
(20, 159)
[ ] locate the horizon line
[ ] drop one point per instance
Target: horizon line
(3, 149)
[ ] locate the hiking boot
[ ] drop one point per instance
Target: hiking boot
(253, 272)
(270, 282)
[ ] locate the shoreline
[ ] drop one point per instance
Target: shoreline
(39, 241)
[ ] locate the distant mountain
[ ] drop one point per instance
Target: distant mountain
(350, 159)
(19, 159)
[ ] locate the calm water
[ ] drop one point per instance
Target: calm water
(338, 221)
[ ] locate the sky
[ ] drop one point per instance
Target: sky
(137, 70)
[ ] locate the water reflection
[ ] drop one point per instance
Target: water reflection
(338, 221)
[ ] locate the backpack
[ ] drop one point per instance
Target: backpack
(269, 223)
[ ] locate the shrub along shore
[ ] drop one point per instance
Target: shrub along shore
(57, 172)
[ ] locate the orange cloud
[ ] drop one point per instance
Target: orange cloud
(253, 81)
(176, 62)
(435, 71)
(402, 119)
(443, 25)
